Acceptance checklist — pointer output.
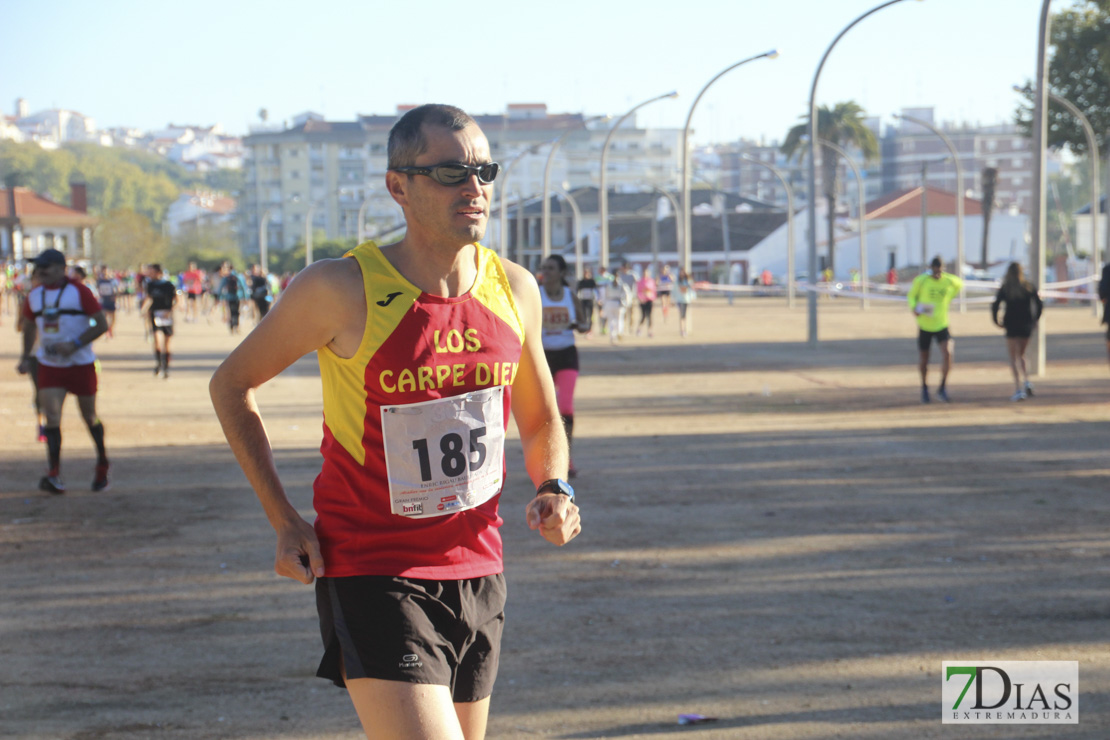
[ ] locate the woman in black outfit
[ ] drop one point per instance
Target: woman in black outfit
(1023, 309)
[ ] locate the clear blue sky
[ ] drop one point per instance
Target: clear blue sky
(146, 64)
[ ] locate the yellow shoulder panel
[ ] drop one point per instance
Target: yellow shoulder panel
(388, 297)
(494, 292)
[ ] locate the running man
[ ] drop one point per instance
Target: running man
(420, 344)
(194, 290)
(107, 288)
(260, 292)
(161, 298)
(929, 297)
(66, 318)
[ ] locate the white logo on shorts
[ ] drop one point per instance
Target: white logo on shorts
(410, 661)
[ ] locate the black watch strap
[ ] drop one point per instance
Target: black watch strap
(556, 485)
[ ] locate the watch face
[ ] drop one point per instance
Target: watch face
(557, 486)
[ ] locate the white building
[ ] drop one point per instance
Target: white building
(197, 209)
(56, 126)
(894, 238)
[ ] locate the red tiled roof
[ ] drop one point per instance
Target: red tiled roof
(907, 204)
(34, 209)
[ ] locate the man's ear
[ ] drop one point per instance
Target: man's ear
(397, 185)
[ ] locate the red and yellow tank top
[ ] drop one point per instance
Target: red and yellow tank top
(413, 463)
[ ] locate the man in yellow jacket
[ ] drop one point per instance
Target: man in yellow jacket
(929, 297)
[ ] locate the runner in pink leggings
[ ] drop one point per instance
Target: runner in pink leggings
(562, 315)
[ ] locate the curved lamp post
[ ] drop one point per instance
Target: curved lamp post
(1040, 136)
(308, 233)
(862, 218)
(960, 255)
(687, 211)
(812, 206)
(790, 257)
(577, 241)
(677, 229)
(546, 248)
(362, 215)
(1092, 148)
(263, 240)
(503, 242)
(603, 192)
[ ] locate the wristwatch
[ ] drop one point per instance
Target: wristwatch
(555, 485)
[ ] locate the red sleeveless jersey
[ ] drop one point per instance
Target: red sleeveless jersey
(416, 348)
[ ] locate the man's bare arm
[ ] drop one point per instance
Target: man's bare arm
(318, 310)
(546, 453)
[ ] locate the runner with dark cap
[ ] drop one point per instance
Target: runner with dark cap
(65, 316)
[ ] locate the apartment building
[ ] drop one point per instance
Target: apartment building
(333, 171)
(907, 152)
(908, 148)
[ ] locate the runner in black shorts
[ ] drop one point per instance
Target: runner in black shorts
(161, 297)
(925, 338)
(413, 630)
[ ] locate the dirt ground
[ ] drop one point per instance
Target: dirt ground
(778, 536)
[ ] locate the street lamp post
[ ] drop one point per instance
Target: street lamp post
(862, 219)
(362, 215)
(812, 256)
(1040, 136)
(960, 256)
(687, 207)
(308, 233)
(790, 257)
(263, 240)
(546, 248)
(1093, 153)
(503, 242)
(577, 240)
(603, 192)
(677, 229)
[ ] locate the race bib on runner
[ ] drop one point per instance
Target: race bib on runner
(163, 318)
(444, 456)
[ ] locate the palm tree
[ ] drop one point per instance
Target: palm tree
(990, 179)
(842, 125)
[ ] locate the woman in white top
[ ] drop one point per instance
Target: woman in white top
(562, 315)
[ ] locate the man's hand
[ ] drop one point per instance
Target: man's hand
(298, 552)
(24, 365)
(555, 516)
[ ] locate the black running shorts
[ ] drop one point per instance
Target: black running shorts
(413, 630)
(925, 337)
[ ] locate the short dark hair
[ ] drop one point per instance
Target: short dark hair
(937, 262)
(155, 267)
(406, 138)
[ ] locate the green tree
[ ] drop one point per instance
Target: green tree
(127, 239)
(842, 125)
(208, 246)
(292, 260)
(1079, 72)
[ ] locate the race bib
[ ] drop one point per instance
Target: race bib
(925, 309)
(163, 318)
(50, 320)
(555, 318)
(444, 456)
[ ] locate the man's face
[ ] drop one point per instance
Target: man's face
(937, 269)
(50, 274)
(453, 214)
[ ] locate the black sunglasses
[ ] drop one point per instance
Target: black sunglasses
(455, 173)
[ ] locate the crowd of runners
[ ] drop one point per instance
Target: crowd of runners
(62, 307)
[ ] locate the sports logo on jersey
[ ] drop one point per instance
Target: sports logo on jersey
(388, 299)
